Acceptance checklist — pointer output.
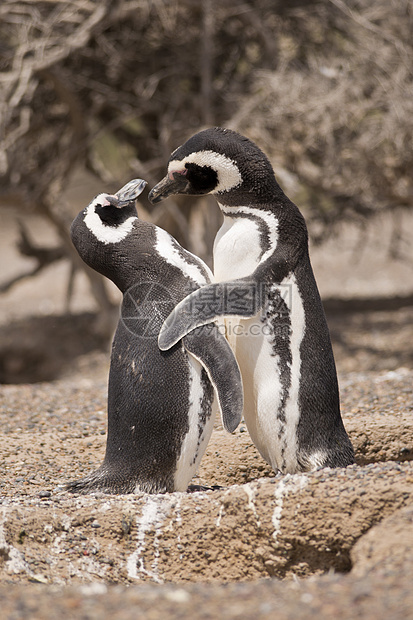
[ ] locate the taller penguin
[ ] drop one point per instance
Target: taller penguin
(160, 404)
(264, 277)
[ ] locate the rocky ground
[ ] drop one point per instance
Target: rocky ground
(332, 543)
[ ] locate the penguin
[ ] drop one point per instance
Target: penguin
(266, 291)
(160, 404)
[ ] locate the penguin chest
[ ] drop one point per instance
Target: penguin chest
(237, 249)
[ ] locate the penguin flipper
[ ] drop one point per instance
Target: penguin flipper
(243, 297)
(212, 350)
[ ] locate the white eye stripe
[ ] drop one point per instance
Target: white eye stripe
(228, 172)
(106, 234)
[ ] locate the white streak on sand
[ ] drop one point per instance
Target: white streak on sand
(290, 483)
(154, 512)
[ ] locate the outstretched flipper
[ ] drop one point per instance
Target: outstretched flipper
(212, 350)
(242, 298)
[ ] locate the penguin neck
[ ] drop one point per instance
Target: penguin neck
(126, 264)
(247, 237)
(116, 271)
(261, 194)
(133, 260)
(124, 281)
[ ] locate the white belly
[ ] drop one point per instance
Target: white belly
(236, 255)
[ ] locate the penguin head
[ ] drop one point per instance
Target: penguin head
(221, 162)
(100, 232)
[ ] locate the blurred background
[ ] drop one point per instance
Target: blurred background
(93, 94)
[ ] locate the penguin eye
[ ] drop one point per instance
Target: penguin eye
(202, 178)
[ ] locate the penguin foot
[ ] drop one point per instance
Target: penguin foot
(92, 484)
(105, 480)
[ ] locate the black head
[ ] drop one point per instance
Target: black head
(100, 233)
(221, 162)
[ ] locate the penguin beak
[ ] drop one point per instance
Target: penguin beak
(175, 185)
(129, 193)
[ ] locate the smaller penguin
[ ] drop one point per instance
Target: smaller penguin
(160, 404)
(264, 277)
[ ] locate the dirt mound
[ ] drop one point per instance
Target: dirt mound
(258, 525)
(387, 547)
(296, 524)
